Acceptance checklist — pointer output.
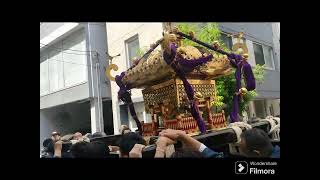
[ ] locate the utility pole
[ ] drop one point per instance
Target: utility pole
(96, 109)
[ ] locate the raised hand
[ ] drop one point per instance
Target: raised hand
(136, 151)
(172, 134)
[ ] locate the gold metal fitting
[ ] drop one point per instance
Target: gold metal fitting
(245, 56)
(216, 44)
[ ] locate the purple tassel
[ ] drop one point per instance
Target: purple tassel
(189, 65)
(249, 77)
(239, 63)
(188, 88)
(124, 95)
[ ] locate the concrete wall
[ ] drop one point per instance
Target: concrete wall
(68, 118)
(53, 32)
(259, 32)
(72, 94)
(47, 28)
(118, 33)
(270, 88)
(276, 43)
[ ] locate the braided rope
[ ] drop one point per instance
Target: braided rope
(236, 126)
(275, 127)
(270, 120)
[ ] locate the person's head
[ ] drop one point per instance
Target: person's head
(77, 136)
(128, 141)
(46, 142)
(98, 134)
(255, 143)
(96, 149)
(80, 149)
(124, 129)
(55, 136)
(186, 153)
(48, 145)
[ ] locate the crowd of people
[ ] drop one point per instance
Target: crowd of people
(254, 143)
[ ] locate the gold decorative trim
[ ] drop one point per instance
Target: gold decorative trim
(108, 71)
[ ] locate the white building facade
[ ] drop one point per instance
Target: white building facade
(73, 87)
(126, 39)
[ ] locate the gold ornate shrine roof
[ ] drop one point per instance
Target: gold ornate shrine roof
(154, 69)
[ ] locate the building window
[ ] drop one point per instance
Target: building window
(63, 64)
(147, 117)
(44, 76)
(263, 55)
(56, 81)
(124, 116)
(132, 46)
(260, 110)
(75, 62)
(258, 54)
(268, 54)
(226, 40)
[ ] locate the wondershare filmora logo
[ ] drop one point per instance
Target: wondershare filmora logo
(255, 168)
(241, 167)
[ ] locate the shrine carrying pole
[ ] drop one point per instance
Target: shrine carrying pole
(201, 43)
